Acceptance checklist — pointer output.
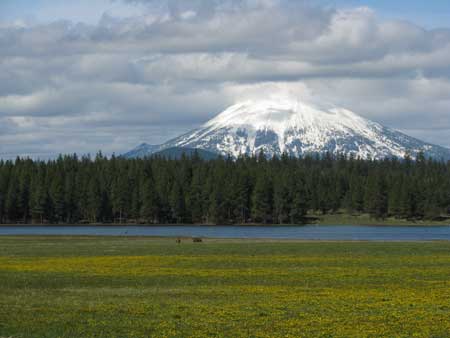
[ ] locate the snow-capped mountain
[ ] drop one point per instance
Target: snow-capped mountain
(294, 127)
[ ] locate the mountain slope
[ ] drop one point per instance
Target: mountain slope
(298, 128)
(142, 150)
(177, 152)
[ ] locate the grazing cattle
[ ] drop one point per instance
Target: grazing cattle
(178, 240)
(197, 240)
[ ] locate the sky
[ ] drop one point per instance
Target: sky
(88, 75)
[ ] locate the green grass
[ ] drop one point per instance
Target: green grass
(365, 219)
(147, 287)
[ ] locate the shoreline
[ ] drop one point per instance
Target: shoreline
(218, 240)
(337, 219)
(328, 224)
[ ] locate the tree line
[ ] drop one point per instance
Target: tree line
(281, 190)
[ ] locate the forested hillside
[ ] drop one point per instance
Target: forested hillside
(191, 190)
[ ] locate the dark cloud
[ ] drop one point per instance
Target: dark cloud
(147, 77)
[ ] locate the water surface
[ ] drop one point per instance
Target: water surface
(307, 232)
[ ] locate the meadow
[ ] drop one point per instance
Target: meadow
(154, 287)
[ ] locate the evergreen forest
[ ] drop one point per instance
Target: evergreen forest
(190, 190)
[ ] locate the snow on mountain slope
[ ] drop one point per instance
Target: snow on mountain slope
(297, 128)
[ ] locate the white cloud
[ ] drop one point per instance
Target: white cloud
(174, 64)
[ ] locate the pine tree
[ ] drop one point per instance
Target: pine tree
(3, 189)
(376, 196)
(177, 203)
(251, 188)
(242, 197)
(356, 194)
(299, 206)
(120, 197)
(94, 200)
(57, 198)
(407, 203)
(71, 195)
(136, 199)
(282, 200)
(216, 198)
(395, 196)
(196, 198)
(150, 207)
(325, 192)
(39, 200)
(262, 199)
(24, 196)
(12, 201)
(2, 206)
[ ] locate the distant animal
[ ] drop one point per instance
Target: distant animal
(178, 240)
(197, 240)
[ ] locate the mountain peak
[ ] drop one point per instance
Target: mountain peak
(297, 127)
(282, 115)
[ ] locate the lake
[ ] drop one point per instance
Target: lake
(307, 232)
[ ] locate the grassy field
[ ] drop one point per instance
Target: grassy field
(365, 219)
(144, 287)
